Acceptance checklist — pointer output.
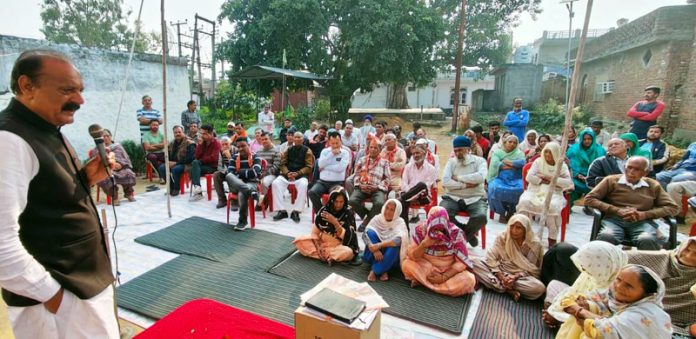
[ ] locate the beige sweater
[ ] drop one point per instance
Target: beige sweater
(610, 196)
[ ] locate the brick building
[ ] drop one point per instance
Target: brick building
(656, 49)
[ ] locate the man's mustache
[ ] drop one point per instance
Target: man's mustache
(71, 106)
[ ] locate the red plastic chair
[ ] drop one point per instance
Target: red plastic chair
(149, 170)
(433, 202)
(685, 206)
(108, 197)
(184, 182)
(565, 213)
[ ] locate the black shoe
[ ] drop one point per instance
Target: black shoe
(414, 219)
(362, 227)
(255, 195)
(280, 215)
(234, 207)
(680, 220)
(295, 216)
(473, 241)
(241, 225)
(174, 192)
(356, 261)
(221, 204)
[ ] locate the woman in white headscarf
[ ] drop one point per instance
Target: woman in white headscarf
(630, 308)
(539, 178)
(513, 264)
(599, 262)
(386, 241)
(530, 142)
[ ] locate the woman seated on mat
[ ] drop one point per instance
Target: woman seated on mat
(123, 171)
(386, 241)
(437, 257)
(505, 178)
(598, 261)
(539, 177)
(513, 264)
(630, 308)
(333, 237)
(677, 269)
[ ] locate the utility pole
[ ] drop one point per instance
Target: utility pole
(212, 63)
(178, 32)
(458, 68)
(197, 51)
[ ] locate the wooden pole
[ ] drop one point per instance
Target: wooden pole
(458, 67)
(165, 50)
(569, 112)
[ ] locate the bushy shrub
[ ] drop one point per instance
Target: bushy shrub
(136, 153)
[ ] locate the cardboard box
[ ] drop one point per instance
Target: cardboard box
(310, 326)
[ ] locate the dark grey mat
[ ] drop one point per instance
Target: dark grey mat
(163, 289)
(416, 304)
(217, 241)
(501, 317)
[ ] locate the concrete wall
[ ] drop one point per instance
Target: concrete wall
(104, 73)
(517, 80)
(668, 35)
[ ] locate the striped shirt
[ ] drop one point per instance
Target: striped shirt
(151, 114)
(272, 157)
(246, 171)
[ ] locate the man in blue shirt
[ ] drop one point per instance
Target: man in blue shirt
(147, 114)
(516, 120)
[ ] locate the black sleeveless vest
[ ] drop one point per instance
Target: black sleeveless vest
(60, 225)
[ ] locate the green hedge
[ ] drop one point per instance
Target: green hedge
(136, 153)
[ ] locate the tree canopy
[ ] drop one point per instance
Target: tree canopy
(364, 43)
(93, 23)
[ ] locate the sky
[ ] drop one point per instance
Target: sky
(24, 19)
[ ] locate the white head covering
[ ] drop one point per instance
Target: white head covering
(511, 249)
(389, 230)
(599, 262)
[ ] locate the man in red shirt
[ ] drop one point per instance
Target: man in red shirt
(646, 112)
(207, 153)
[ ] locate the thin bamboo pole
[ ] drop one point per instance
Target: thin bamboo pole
(569, 112)
(165, 48)
(458, 68)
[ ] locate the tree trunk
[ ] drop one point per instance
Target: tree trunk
(396, 96)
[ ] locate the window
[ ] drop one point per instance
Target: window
(462, 96)
(646, 57)
(411, 88)
(598, 92)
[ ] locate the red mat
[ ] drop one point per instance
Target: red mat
(205, 318)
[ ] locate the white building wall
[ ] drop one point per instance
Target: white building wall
(103, 73)
(435, 95)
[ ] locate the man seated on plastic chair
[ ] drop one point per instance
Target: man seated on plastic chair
(243, 174)
(181, 154)
(463, 183)
(371, 181)
(630, 203)
(417, 180)
(333, 162)
(207, 155)
(295, 166)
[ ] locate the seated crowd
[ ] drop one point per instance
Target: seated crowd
(597, 290)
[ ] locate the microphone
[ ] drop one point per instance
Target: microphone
(96, 132)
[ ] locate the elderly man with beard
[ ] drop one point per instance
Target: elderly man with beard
(371, 180)
(463, 183)
(396, 157)
(418, 178)
(295, 166)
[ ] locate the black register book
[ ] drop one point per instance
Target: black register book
(336, 305)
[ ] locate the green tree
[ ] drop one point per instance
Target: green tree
(360, 43)
(487, 41)
(93, 23)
